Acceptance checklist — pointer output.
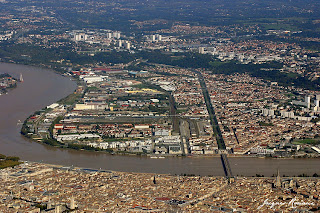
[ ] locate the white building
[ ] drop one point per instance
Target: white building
(287, 114)
(127, 45)
(153, 37)
(159, 37)
(117, 35)
(268, 112)
(89, 106)
(72, 137)
(92, 79)
(109, 35)
(201, 50)
(119, 43)
(260, 150)
(162, 132)
(308, 101)
(52, 106)
(80, 37)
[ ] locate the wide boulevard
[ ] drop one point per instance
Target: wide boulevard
(215, 126)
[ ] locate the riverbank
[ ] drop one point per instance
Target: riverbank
(31, 126)
(82, 147)
(83, 131)
(43, 87)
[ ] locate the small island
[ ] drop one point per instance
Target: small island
(7, 82)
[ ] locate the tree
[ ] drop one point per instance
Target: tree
(12, 158)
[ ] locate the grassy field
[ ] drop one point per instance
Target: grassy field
(8, 161)
(314, 141)
(70, 99)
(265, 124)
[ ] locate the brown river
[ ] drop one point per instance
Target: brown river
(43, 87)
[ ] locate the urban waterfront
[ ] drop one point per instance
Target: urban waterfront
(43, 87)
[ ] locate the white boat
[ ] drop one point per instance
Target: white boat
(21, 78)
